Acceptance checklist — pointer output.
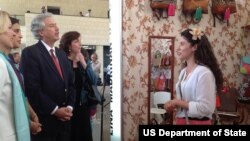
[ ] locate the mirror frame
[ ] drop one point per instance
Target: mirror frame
(172, 58)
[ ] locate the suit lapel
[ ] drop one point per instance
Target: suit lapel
(48, 58)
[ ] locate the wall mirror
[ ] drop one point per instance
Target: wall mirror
(161, 70)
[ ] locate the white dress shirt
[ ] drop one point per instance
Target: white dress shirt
(199, 89)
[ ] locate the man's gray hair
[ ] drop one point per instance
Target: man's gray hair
(37, 24)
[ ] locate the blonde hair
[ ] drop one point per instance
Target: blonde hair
(4, 20)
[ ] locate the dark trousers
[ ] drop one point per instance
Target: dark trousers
(81, 126)
(59, 136)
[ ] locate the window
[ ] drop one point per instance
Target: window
(53, 10)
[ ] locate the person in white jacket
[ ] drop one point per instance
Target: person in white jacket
(198, 82)
(14, 122)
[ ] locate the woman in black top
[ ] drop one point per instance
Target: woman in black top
(83, 78)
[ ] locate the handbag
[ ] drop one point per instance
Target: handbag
(189, 6)
(161, 82)
(156, 4)
(220, 6)
(160, 6)
(90, 95)
(221, 9)
(165, 60)
(157, 58)
(171, 9)
(245, 65)
(94, 96)
(195, 8)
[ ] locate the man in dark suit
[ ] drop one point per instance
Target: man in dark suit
(48, 81)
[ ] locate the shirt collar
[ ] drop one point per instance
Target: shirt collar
(47, 46)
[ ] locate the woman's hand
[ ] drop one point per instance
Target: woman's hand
(81, 58)
(170, 105)
(35, 126)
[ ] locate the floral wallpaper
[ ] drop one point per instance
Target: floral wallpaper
(229, 43)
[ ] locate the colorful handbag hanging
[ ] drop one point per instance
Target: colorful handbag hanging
(222, 9)
(160, 6)
(195, 8)
(198, 14)
(171, 9)
(161, 82)
(227, 14)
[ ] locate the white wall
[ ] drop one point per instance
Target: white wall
(99, 8)
(94, 31)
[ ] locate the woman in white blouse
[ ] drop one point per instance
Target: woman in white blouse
(199, 80)
(14, 122)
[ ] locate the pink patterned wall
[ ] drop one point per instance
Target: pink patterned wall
(229, 42)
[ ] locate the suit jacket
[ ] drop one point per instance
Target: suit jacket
(44, 87)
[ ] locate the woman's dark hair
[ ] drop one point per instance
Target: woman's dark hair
(67, 39)
(204, 55)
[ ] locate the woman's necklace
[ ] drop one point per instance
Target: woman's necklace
(189, 72)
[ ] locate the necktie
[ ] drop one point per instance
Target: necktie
(56, 62)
